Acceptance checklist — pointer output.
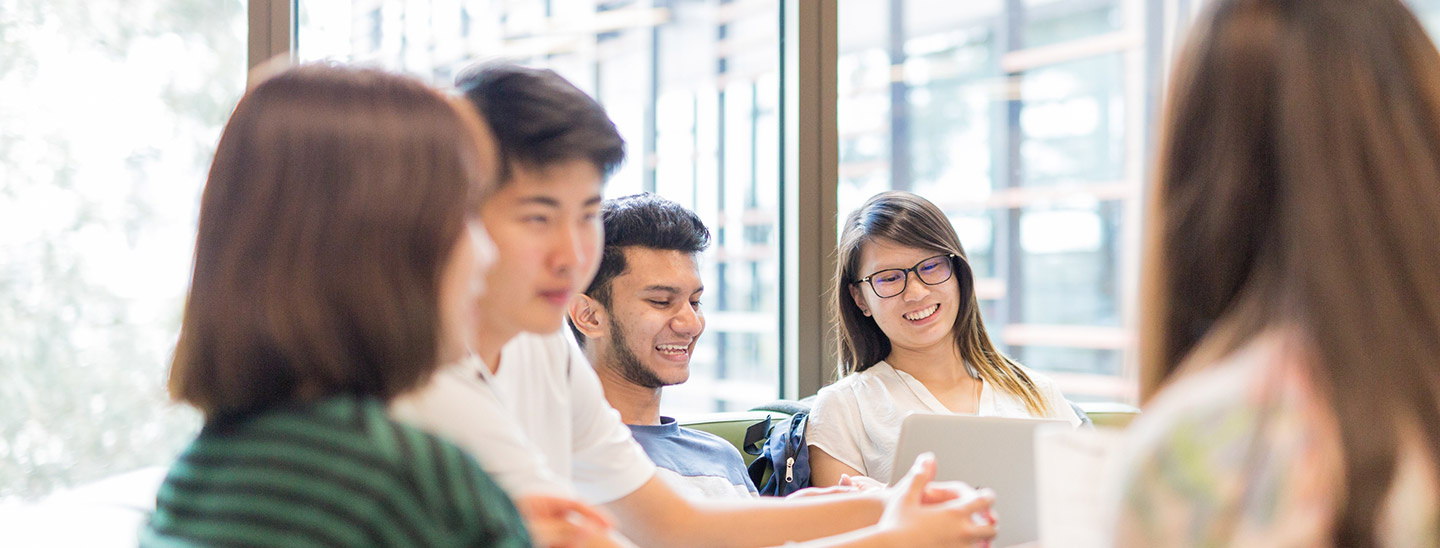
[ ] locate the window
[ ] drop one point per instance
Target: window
(1027, 122)
(111, 113)
(692, 85)
(1023, 121)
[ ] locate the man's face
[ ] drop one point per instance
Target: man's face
(546, 227)
(654, 317)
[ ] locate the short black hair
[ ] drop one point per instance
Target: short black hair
(540, 119)
(642, 220)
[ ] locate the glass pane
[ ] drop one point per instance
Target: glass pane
(111, 112)
(693, 87)
(1072, 122)
(1031, 147)
(1050, 22)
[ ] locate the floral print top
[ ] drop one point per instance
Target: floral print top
(1243, 453)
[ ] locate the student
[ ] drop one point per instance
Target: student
(337, 263)
(1293, 286)
(638, 323)
(533, 409)
(911, 340)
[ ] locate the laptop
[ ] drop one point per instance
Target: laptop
(993, 452)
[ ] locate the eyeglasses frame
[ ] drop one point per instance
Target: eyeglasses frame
(869, 280)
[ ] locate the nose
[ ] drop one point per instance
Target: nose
(915, 289)
(567, 252)
(690, 322)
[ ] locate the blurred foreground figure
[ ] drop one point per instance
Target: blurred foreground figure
(1292, 287)
(338, 263)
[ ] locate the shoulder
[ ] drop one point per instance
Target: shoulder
(860, 381)
(535, 345)
(532, 354)
(712, 442)
(1244, 436)
(870, 387)
(343, 454)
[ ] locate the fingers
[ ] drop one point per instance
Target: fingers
(589, 513)
(821, 491)
(942, 491)
(915, 481)
(556, 533)
(980, 506)
(862, 483)
(544, 507)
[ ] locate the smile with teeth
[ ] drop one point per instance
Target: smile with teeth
(922, 314)
(674, 349)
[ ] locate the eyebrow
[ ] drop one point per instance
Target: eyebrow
(540, 200)
(552, 202)
(669, 289)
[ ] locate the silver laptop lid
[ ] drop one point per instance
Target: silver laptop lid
(993, 452)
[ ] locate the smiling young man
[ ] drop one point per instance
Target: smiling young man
(531, 408)
(638, 323)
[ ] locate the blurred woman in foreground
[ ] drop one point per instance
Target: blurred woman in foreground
(1292, 289)
(337, 265)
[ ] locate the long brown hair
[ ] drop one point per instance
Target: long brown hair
(912, 221)
(334, 200)
(1298, 187)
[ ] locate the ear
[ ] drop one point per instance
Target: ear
(588, 316)
(855, 293)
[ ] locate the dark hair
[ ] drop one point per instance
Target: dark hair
(1296, 188)
(911, 221)
(540, 119)
(335, 198)
(642, 220)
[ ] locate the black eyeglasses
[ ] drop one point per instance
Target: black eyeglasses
(892, 281)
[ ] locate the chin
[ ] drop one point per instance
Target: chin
(541, 326)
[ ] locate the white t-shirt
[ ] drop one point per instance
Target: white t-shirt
(539, 424)
(857, 419)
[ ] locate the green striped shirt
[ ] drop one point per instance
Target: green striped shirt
(334, 473)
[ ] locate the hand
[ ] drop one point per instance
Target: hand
(861, 483)
(848, 484)
(558, 522)
(957, 520)
(822, 491)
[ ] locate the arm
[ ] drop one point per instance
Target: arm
(655, 516)
(826, 470)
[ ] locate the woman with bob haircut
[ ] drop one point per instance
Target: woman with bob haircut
(338, 261)
(1291, 318)
(911, 340)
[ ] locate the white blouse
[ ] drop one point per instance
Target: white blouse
(857, 419)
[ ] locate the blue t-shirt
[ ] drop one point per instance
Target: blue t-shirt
(695, 463)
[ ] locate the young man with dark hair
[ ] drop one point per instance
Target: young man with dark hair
(531, 408)
(638, 323)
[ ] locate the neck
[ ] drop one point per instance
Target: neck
(488, 344)
(938, 363)
(637, 405)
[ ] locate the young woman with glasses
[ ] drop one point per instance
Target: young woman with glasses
(911, 340)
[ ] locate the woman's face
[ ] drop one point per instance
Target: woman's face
(921, 316)
(461, 284)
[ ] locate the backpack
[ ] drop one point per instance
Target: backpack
(781, 450)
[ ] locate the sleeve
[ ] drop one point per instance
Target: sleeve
(608, 463)
(835, 427)
(475, 420)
